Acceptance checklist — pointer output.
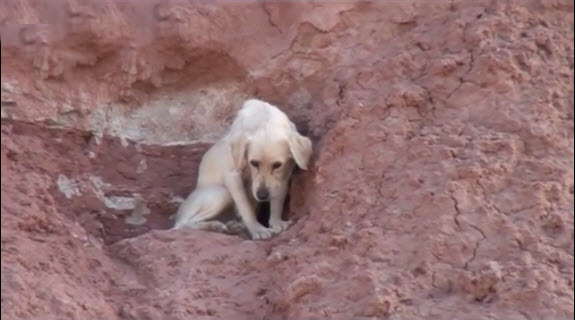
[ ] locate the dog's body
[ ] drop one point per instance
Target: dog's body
(259, 153)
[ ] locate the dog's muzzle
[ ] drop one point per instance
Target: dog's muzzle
(263, 194)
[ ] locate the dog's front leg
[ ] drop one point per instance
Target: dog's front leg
(235, 186)
(276, 209)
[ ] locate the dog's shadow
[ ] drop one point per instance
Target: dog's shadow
(263, 213)
(263, 208)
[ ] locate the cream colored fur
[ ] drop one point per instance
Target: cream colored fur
(255, 158)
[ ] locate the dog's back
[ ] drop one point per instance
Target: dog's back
(256, 115)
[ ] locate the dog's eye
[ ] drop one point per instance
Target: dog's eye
(255, 163)
(276, 165)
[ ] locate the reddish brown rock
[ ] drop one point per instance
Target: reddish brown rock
(441, 185)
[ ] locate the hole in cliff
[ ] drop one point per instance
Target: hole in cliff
(132, 179)
(114, 187)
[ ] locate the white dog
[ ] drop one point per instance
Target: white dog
(259, 152)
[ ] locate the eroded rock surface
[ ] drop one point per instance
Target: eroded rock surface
(441, 185)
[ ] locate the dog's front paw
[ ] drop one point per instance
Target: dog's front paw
(260, 232)
(279, 225)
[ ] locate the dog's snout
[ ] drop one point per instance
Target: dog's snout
(263, 194)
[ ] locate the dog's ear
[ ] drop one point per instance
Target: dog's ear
(301, 148)
(238, 149)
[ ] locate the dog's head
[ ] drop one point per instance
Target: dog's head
(271, 158)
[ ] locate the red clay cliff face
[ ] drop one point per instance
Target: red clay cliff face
(441, 185)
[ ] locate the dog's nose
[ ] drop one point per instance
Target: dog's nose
(262, 194)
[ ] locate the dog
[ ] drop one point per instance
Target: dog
(259, 153)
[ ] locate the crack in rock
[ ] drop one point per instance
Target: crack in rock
(269, 16)
(457, 212)
(477, 245)
(341, 93)
(471, 65)
(462, 79)
(474, 227)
